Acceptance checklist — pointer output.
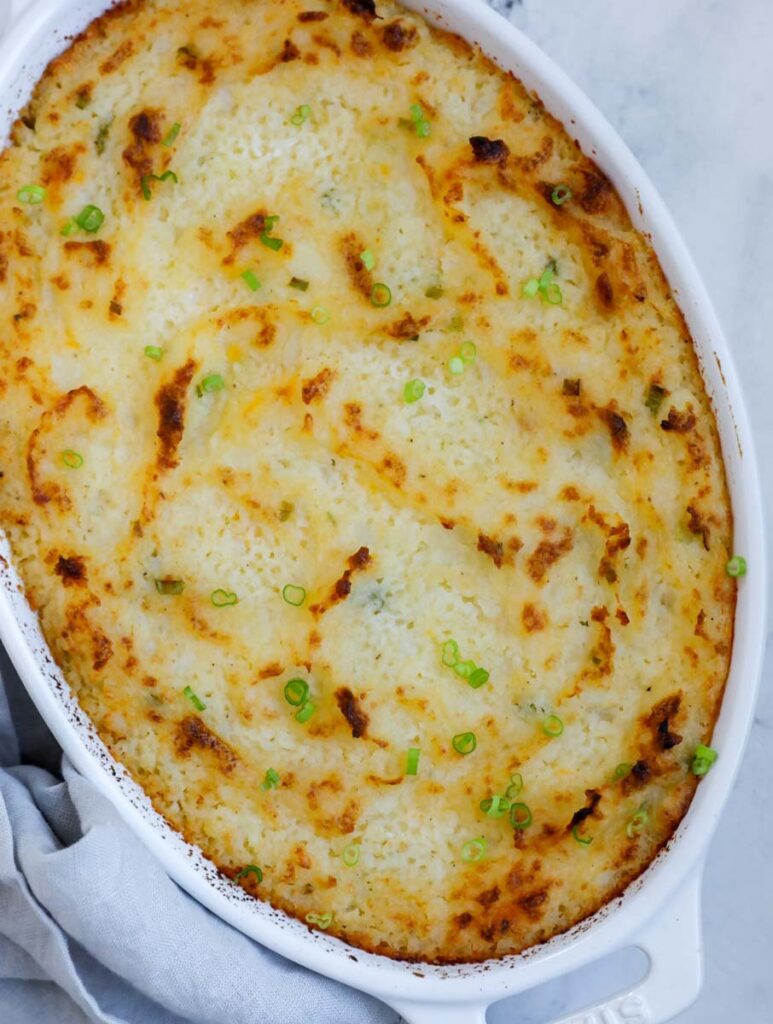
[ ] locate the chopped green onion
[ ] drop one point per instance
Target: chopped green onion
(456, 365)
(637, 822)
(251, 869)
(464, 742)
(468, 351)
(380, 295)
(305, 712)
(417, 114)
(495, 806)
(350, 854)
(456, 323)
(450, 653)
(271, 780)
(474, 851)
(655, 396)
(223, 598)
(622, 771)
(267, 239)
(296, 692)
(546, 286)
(171, 135)
(320, 315)
(195, 701)
(553, 294)
(302, 113)
(169, 587)
(583, 841)
(82, 99)
(413, 390)
(520, 816)
(154, 352)
(477, 678)
(531, 288)
(286, 509)
(368, 259)
(293, 595)
(100, 142)
(71, 459)
(90, 218)
(736, 566)
(68, 228)
(465, 668)
(147, 178)
(515, 787)
(553, 726)
(412, 762)
(703, 759)
(434, 291)
(560, 194)
(418, 122)
(210, 384)
(33, 195)
(299, 283)
(320, 920)
(250, 278)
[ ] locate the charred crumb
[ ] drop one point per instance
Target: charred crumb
(489, 151)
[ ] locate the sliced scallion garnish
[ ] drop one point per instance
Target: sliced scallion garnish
(293, 595)
(250, 869)
(637, 822)
(299, 284)
(169, 587)
(146, 179)
(368, 259)
(456, 365)
(171, 135)
(474, 851)
(223, 598)
(464, 742)
(478, 677)
(322, 921)
(210, 384)
(552, 726)
(32, 195)
(449, 653)
(520, 816)
(703, 759)
(622, 771)
(736, 566)
(250, 278)
(71, 459)
(320, 315)
(560, 194)
(271, 780)
(195, 701)
(380, 295)
(90, 218)
(302, 114)
(468, 351)
(413, 390)
(350, 854)
(296, 692)
(515, 787)
(305, 713)
(154, 352)
(545, 286)
(267, 238)
(412, 761)
(582, 840)
(495, 806)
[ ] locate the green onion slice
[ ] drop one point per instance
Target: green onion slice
(456, 365)
(515, 787)
(380, 295)
(561, 194)
(296, 692)
(450, 653)
(322, 921)
(582, 840)
(302, 114)
(293, 595)
(622, 771)
(553, 294)
(266, 238)
(465, 668)
(350, 854)
(32, 195)
(90, 218)
(270, 780)
(147, 178)
(213, 382)
(495, 806)
(154, 352)
(71, 459)
(413, 390)
(474, 850)
(637, 822)
(703, 759)
(223, 598)
(654, 399)
(531, 288)
(368, 259)
(520, 816)
(412, 761)
(68, 228)
(169, 587)
(320, 315)
(468, 351)
(250, 278)
(195, 701)
(464, 742)
(553, 726)
(251, 869)
(171, 135)
(305, 712)
(434, 291)
(736, 566)
(477, 678)
(299, 283)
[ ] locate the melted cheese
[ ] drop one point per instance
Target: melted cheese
(533, 508)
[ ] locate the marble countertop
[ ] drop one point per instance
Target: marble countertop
(687, 83)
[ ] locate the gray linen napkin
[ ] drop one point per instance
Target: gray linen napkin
(92, 929)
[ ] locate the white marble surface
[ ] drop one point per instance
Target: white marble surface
(689, 85)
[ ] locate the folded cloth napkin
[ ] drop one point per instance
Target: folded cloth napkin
(91, 927)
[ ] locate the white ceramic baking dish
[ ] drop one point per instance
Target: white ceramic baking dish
(660, 913)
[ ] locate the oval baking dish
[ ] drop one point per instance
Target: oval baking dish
(462, 992)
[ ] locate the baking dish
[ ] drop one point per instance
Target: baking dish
(660, 912)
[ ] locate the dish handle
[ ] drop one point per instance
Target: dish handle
(674, 946)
